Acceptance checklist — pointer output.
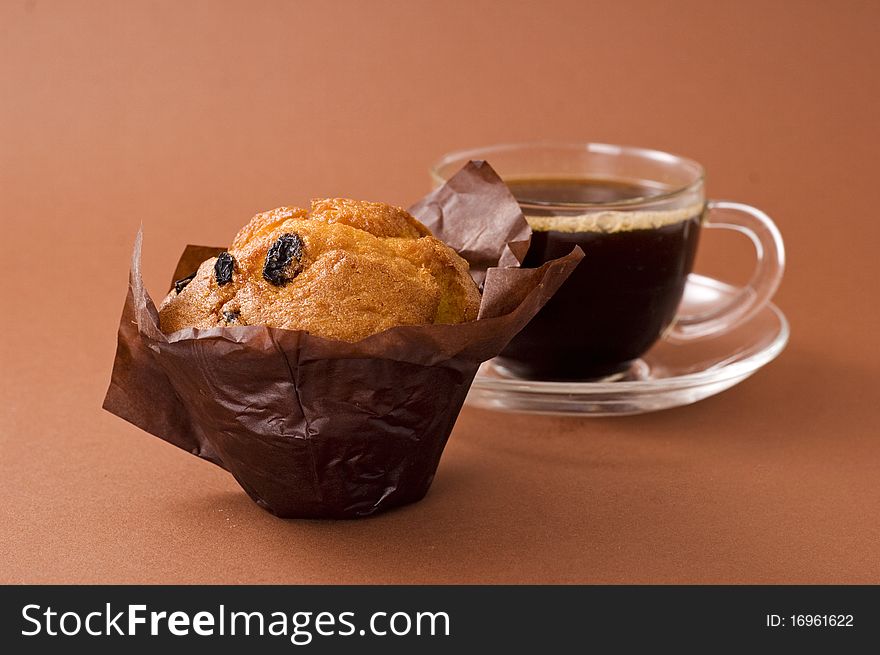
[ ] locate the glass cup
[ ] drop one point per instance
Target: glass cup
(637, 214)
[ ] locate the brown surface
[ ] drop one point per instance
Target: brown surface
(191, 118)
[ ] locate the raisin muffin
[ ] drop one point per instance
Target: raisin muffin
(344, 270)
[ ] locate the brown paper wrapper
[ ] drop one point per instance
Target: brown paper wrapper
(316, 428)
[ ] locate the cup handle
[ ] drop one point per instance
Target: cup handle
(770, 253)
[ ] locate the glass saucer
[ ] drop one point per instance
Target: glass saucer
(671, 374)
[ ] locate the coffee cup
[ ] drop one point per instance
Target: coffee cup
(637, 214)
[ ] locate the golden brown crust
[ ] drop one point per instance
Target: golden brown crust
(377, 218)
(198, 304)
(353, 269)
(264, 222)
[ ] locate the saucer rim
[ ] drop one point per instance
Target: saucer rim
(712, 375)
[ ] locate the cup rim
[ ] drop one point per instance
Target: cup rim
(660, 156)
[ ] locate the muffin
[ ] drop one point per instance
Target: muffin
(340, 427)
(344, 270)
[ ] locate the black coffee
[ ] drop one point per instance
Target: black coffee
(623, 294)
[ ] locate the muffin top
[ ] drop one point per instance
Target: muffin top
(344, 270)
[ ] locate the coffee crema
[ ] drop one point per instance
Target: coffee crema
(609, 222)
(568, 191)
(625, 292)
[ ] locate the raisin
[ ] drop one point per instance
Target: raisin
(180, 285)
(283, 261)
(223, 268)
(230, 317)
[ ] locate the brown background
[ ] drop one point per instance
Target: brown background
(190, 117)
